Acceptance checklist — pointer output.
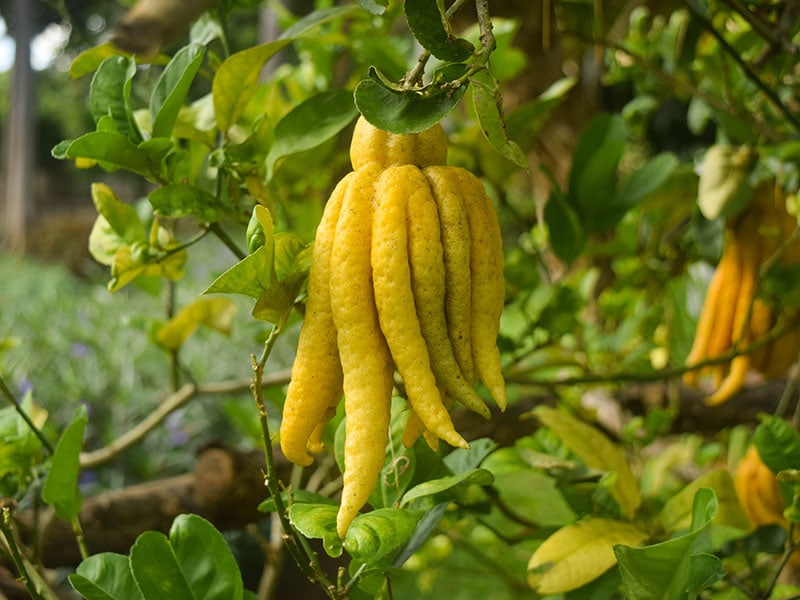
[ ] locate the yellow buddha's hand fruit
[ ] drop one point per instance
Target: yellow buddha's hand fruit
(407, 273)
(758, 491)
(734, 317)
(316, 382)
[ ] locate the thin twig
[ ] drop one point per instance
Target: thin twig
(170, 404)
(19, 562)
(217, 230)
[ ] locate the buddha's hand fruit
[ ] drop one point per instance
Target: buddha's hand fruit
(406, 273)
(733, 317)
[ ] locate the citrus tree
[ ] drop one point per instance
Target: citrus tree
(449, 271)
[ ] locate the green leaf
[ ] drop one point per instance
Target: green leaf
(488, 104)
(533, 497)
(596, 451)
(427, 21)
(250, 277)
(375, 7)
(375, 534)
(778, 443)
(676, 568)
(216, 313)
(723, 189)
(450, 487)
(523, 123)
(105, 576)
(195, 562)
(180, 199)
(109, 95)
(89, 60)
(640, 183)
(461, 460)
(112, 149)
(117, 225)
(21, 449)
(61, 485)
(172, 87)
(592, 179)
(309, 124)
(236, 81)
(299, 496)
(425, 527)
(676, 515)
(579, 553)
(565, 232)
(403, 112)
(317, 521)
(314, 19)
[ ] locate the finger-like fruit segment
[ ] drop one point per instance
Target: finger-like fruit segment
(395, 301)
(428, 280)
(365, 357)
(488, 286)
(456, 244)
(316, 382)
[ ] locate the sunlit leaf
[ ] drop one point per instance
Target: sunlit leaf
(109, 95)
(172, 87)
(778, 443)
(596, 451)
(314, 19)
(448, 487)
(579, 553)
(312, 122)
(236, 81)
(250, 277)
(180, 199)
(113, 150)
(488, 107)
(317, 521)
(216, 313)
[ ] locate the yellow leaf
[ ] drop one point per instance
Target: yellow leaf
(677, 512)
(598, 452)
(216, 313)
(579, 553)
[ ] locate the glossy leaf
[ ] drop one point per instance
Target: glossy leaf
(438, 490)
(317, 521)
(533, 497)
(105, 576)
(61, 484)
(429, 25)
(375, 534)
(172, 87)
(180, 199)
(462, 460)
(403, 111)
(109, 95)
(90, 59)
(579, 553)
(376, 7)
(195, 562)
(677, 567)
(778, 443)
(423, 530)
(236, 81)
(250, 277)
(309, 124)
(596, 451)
(112, 149)
(488, 104)
(216, 313)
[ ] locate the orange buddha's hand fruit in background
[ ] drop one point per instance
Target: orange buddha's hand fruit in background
(733, 317)
(407, 273)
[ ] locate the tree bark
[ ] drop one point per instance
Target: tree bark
(20, 133)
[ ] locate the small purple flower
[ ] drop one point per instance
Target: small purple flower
(24, 386)
(79, 350)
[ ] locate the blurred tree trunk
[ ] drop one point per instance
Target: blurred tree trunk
(19, 139)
